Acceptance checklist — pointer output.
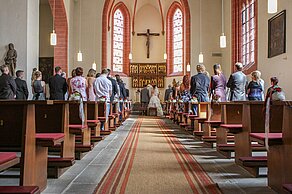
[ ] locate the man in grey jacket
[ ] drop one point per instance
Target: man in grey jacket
(238, 84)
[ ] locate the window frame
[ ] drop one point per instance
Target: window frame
(240, 7)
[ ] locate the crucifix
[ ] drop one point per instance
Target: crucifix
(148, 34)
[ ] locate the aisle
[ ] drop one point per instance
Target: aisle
(152, 160)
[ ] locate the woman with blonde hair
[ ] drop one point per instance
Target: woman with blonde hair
(38, 87)
(218, 84)
(90, 84)
(254, 88)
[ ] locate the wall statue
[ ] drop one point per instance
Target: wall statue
(10, 59)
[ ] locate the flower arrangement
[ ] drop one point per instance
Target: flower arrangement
(75, 96)
(121, 100)
(194, 100)
(102, 99)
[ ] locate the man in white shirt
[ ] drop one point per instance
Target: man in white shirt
(103, 88)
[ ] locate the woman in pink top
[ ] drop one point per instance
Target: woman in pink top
(79, 83)
(90, 81)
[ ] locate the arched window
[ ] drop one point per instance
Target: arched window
(245, 34)
(118, 41)
(178, 38)
(177, 41)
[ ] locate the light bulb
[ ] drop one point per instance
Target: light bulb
(94, 65)
(79, 56)
(222, 41)
(53, 38)
(130, 56)
(201, 58)
(272, 6)
(165, 56)
(188, 67)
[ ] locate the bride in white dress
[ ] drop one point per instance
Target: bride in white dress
(155, 101)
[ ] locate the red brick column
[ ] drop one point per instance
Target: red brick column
(61, 28)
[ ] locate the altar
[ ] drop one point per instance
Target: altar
(147, 73)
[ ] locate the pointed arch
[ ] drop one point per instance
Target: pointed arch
(170, 42)
(108, 13)
(121, 7)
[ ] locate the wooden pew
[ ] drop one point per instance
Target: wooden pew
(102, 108)
(80, 129)
(203, 108)
(53, 117)
(93, 122)
(22, 136)
(280, 147)
(113, 116)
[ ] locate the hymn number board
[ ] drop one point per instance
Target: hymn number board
(147, 73)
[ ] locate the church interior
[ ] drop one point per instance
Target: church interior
(194, 145)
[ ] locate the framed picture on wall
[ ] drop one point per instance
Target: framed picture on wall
(277, 34)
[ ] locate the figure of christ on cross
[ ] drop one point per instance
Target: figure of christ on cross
(148, 34)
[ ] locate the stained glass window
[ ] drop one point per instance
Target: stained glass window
(248, 33)
(118, 41)
(178, 41)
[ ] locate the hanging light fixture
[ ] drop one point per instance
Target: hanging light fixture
(53, 36)
(94, 47)
(201, 56)
(188, 67)
(222, 37)
(93, 65)
(165, 56)
(272, 6)
(130, 56)
(79, 54)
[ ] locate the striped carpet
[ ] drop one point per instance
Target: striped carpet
(152, 160)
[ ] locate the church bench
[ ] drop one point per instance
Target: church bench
(49, 139)
(102, 109)
(113, 116)
(202, 112)
(227, 149)
(287, 188)
(231, 113)
(76, 125)
(7, 160)
(53, 117)
(274, 138)
(19, 190)
(21, 136)
(253, 130)
(214, 118)
(254, 162)
(93, 122)
(252, 121)
(210, 140)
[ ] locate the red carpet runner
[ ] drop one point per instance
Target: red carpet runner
(152, 160)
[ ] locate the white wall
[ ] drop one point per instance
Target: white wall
(46, 27)
(279, 66)
(19, 24)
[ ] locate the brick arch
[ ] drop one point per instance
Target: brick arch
(169, 35)
(127, 22)
(61, 28)
(105, 19)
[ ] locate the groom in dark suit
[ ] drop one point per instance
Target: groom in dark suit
(145, 97)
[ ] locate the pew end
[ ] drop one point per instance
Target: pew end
(20, 190)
